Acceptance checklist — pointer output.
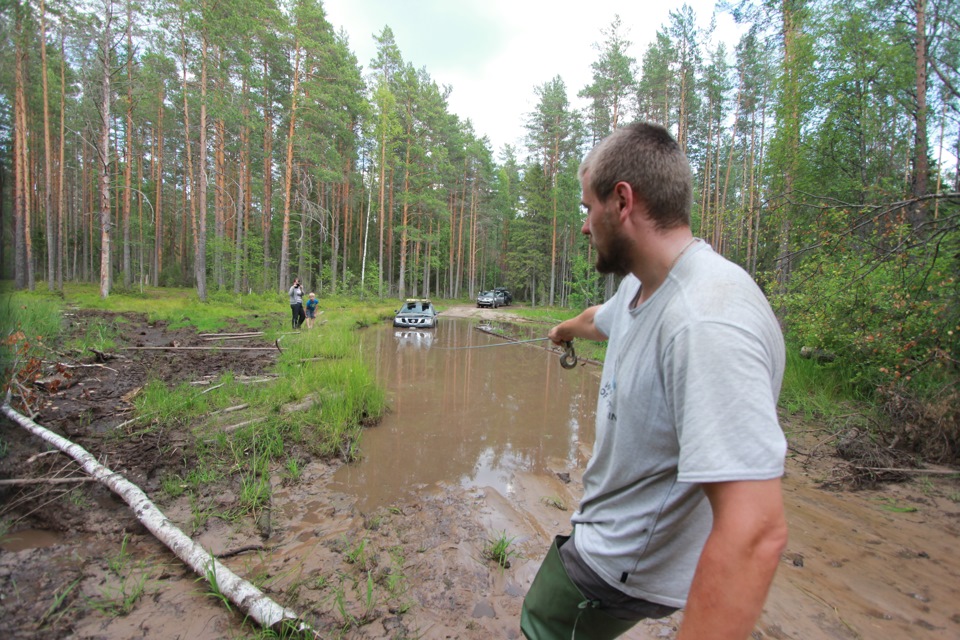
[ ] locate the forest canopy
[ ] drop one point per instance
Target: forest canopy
(232, 145)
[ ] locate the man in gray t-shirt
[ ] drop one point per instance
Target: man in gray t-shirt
(682, 504)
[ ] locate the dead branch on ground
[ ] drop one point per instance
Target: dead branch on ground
(236, 552)
(20, 481)
(242, 593)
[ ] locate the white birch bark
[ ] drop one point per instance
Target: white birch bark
(244, 595)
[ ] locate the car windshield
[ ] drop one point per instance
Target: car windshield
(416, 307)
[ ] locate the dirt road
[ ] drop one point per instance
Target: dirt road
(878, 563)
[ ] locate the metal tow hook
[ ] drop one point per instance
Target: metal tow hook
(569, 358)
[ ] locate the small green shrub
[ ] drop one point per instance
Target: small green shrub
(498, 550)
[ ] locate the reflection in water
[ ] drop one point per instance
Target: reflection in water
(413, 338)
(467, 416)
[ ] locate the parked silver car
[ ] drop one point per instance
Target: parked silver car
(491, 298)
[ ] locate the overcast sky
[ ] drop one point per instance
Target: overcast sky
(493, 53)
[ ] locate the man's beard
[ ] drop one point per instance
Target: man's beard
(614, 258)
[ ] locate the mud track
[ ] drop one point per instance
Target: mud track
(878, 563)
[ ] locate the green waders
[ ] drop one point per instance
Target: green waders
(554, 608)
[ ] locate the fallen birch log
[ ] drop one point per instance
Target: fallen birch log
(200, 348)
(244, 595)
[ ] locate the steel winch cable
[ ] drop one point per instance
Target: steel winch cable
(568, 360)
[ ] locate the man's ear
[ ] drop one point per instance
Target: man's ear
(624, 194)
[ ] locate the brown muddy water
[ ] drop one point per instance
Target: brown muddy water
(468, 409)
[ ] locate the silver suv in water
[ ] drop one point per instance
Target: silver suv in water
(416, 313)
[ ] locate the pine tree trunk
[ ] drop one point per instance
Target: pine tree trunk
(390, 209)
(128, 168)
(158, 199)
(402, 284)
(288, 176)
(220, 197)
(452, 236)
(48, 211)
(61, 191)
(267, 175)
(366, 240)
(23, 258)
(463, 201)
(921, 165)
(141, 258)
(200, 237)
(188, 198)
(381, 212)
(791, 126)
(473, 239)
(718, 227)
(85, 223)
(347, 226)
(705, 186)
(3, 211)
(733, 140)
(334, 245)
(243, 208)
(247, 213)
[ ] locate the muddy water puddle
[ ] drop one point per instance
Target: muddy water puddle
(29, 539)
(469, 410)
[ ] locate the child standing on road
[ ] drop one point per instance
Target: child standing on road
(312, 303)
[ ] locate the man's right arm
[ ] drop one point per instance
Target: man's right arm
(581, 326)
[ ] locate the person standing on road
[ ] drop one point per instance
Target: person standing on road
(682, 504)
(296, 304)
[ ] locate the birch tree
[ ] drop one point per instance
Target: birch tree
(105, 58)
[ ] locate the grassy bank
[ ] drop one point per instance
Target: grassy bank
(314, 402)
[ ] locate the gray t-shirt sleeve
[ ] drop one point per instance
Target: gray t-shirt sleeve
(603, 318)
(723, 395)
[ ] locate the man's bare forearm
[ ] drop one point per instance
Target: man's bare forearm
(581, 326)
